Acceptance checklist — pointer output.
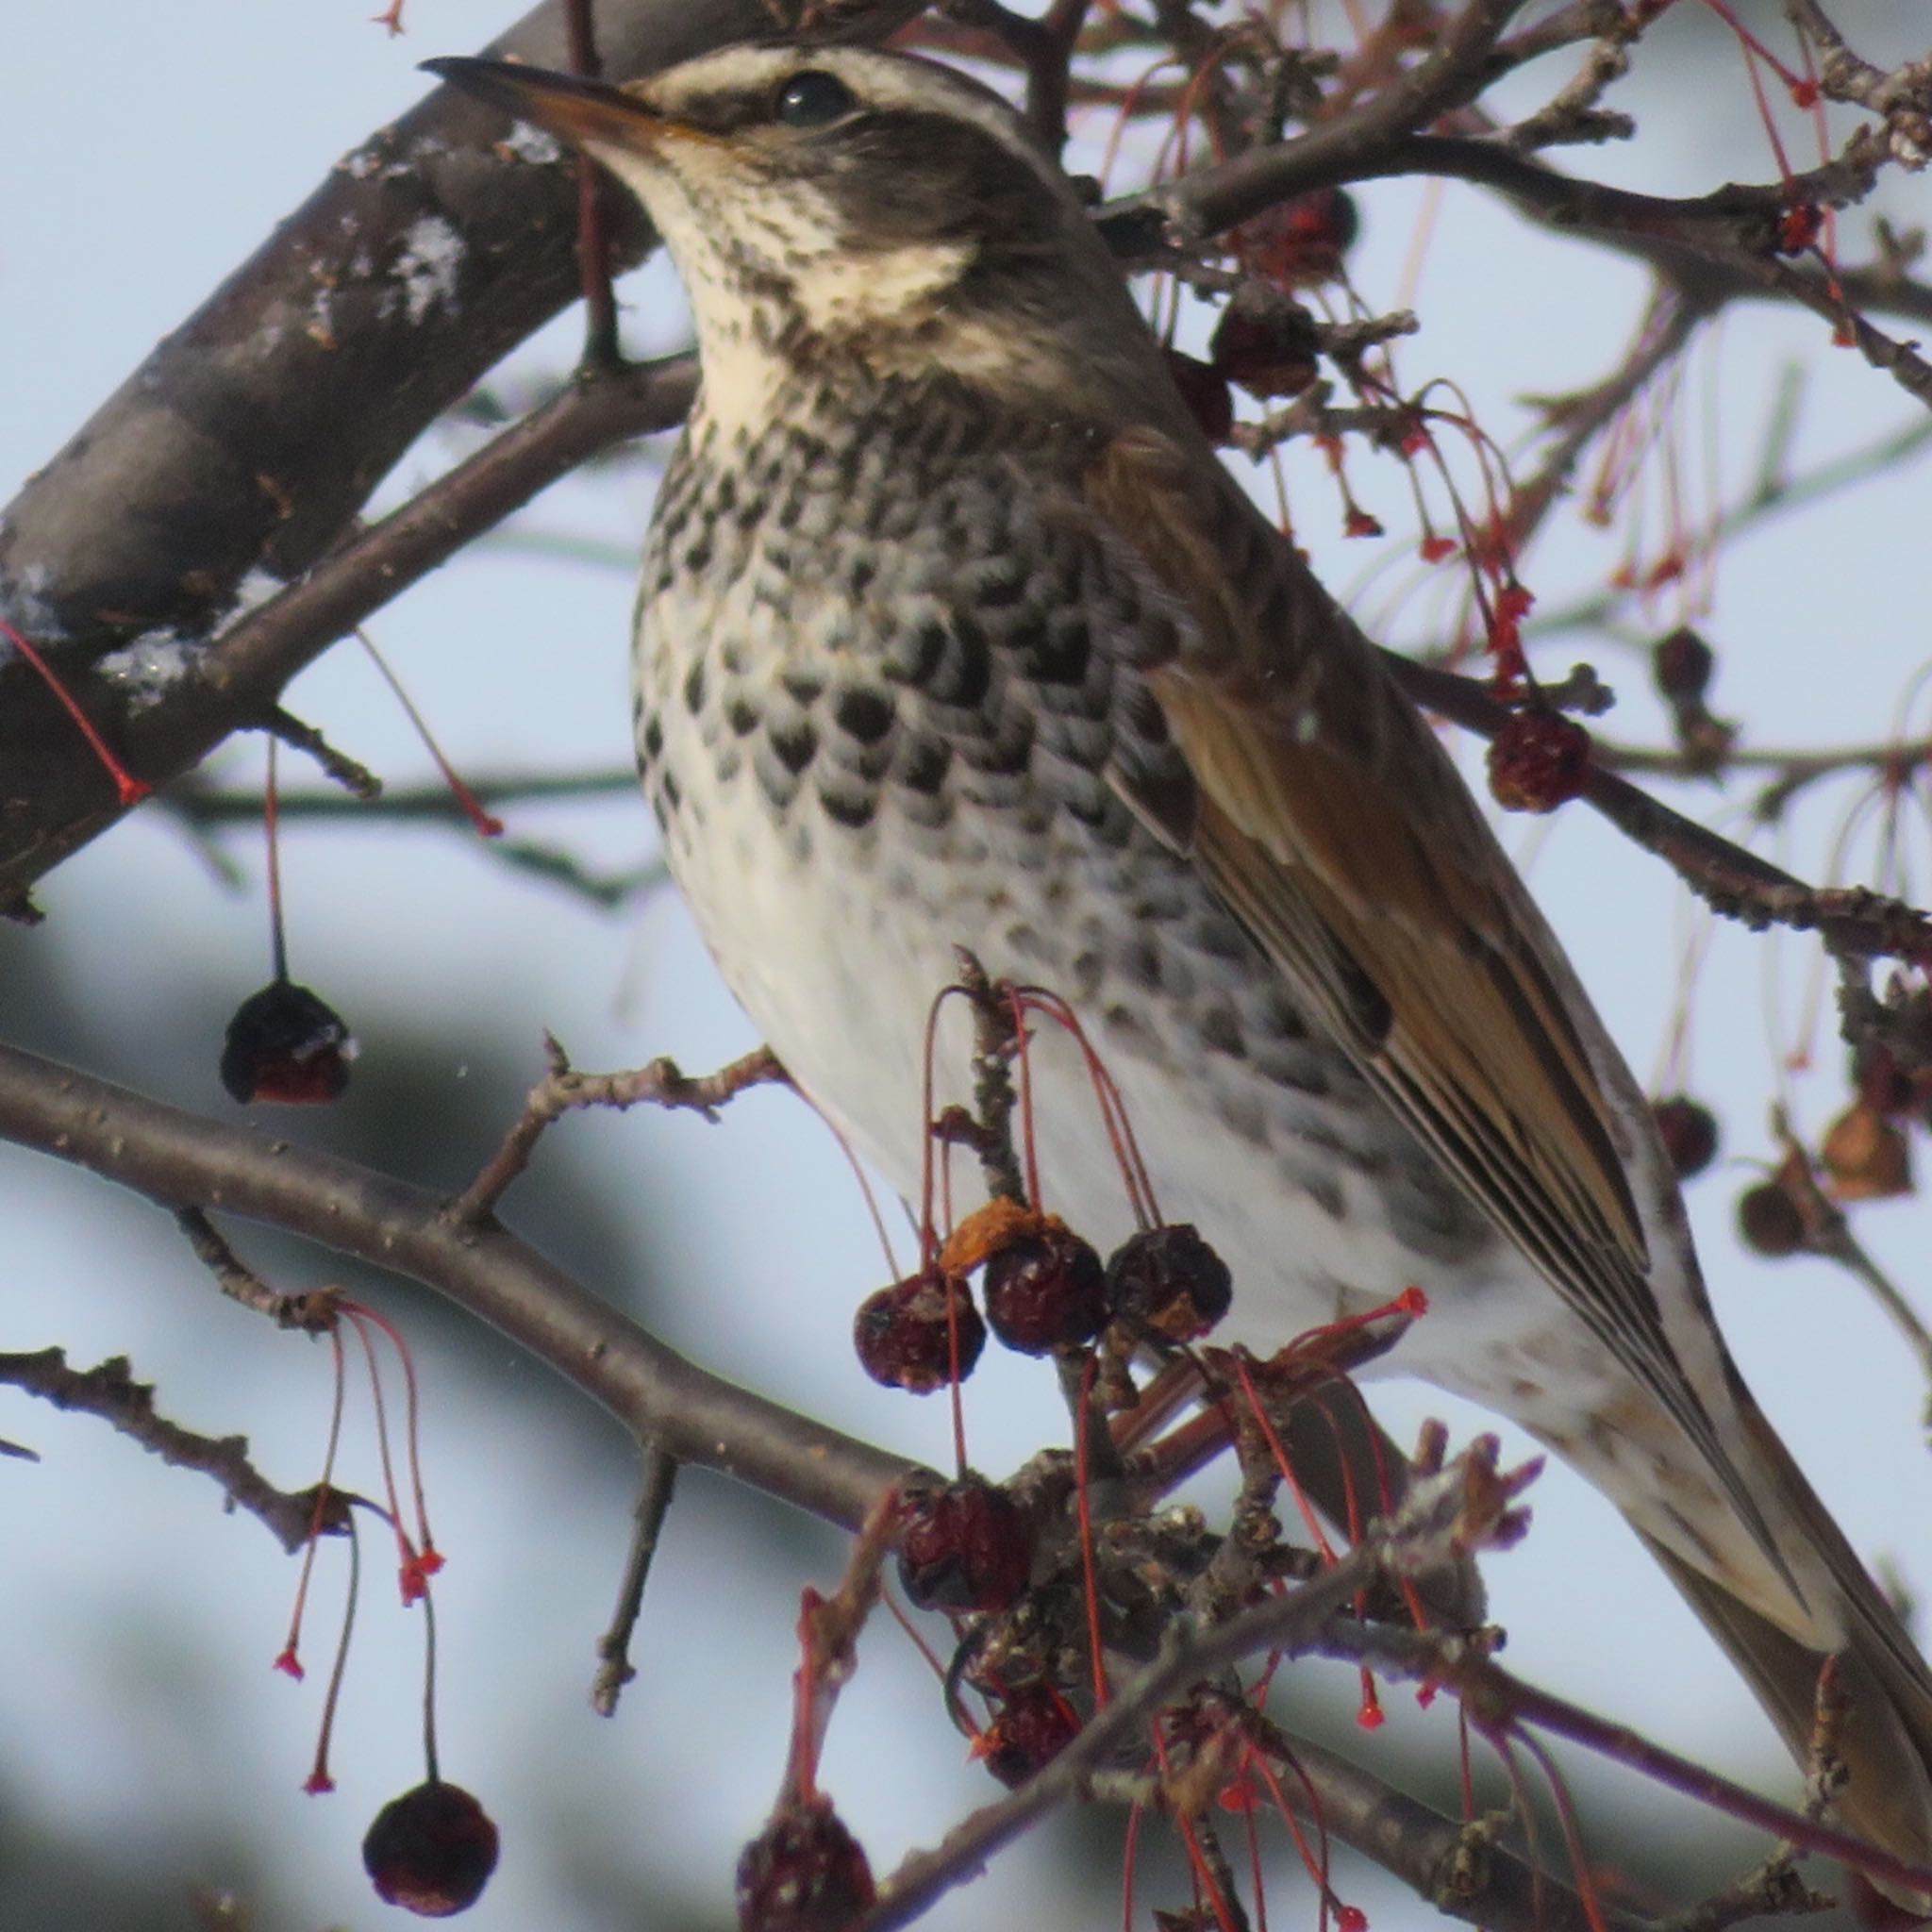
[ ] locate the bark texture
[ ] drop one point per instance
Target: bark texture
(251, 436)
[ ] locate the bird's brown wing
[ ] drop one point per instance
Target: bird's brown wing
(1331, 824)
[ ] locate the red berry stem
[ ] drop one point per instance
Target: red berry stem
(130, 789)
(319, 1780)
(1107, 1093)
(428, 1560)
(486, 826)
(429, 1688)
(272, 829)
(413, 1580)
(1310, 1522)
(288, 1660)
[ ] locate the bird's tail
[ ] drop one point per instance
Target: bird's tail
(1884, 1735)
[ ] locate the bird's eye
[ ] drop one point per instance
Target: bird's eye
(813, 99)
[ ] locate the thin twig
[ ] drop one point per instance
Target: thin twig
(313, 1313)
(1772, 1888)
(110, 1390)
(1772, 496)
(563, 1090)
(656, 1486)
(355, 779)
(207, 806)
(995, 1041)
(200, 811)
(828, 1630)
(1668, 325)
(1793, 770)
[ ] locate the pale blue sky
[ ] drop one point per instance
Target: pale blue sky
(130, 180)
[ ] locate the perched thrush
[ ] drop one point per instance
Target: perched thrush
(952, 629)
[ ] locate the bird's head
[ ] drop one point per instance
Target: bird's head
(845, 203)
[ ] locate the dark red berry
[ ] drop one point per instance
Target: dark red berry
(1045, 1290)
(906, 1336)
(1689, 1129)
(431, 1851)
(1205, 391)
(286, 1044)
(963, 1545)
(1538, 760)
(1030, 1728)
(1769, 1221)
(1681, 665)
(1168, 1279)
(804, 1873)
(1266, 341)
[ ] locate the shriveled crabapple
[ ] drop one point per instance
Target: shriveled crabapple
(1770, 1222)
(1865, 1156)
(1681, 665)
(1538, 760)
(804, 1873)
(1169, 1281)
(963, 1545)
(1045, 1290)
(286, 1044)
(431, 1851)
(1030, 1727)
(1266, 343)
(919, 1334)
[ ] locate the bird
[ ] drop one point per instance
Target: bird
(952, 629)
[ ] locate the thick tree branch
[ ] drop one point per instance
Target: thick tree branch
(180, 1160)
(253, 433)
(236, 682)
(257, 429)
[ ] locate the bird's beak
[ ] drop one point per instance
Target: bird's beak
(586, 113)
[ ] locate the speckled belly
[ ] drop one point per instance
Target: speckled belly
(876, 710)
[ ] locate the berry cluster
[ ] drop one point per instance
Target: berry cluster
(1076, 1568)
(1047, 1293)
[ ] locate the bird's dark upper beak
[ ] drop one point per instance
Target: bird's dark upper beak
(584, 112)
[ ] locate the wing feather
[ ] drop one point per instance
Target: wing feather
(1332, 824)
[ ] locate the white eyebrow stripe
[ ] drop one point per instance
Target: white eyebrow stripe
(880, 80)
